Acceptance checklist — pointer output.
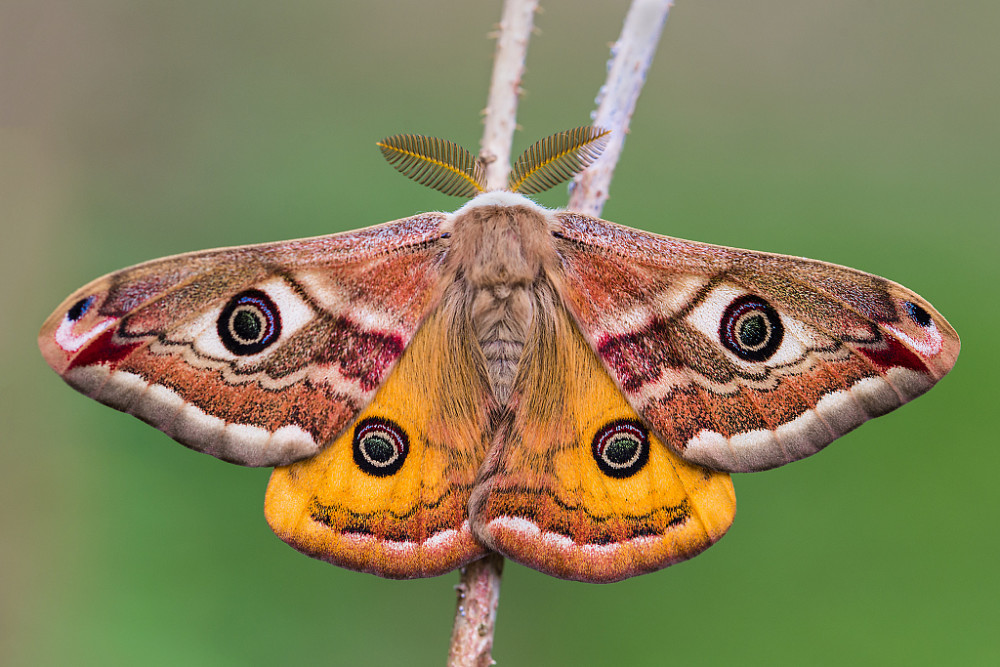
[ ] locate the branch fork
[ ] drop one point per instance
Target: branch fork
(479, 587)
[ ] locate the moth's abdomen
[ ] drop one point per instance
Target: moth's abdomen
(501, 317)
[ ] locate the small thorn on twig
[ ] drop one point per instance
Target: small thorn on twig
(485, 157)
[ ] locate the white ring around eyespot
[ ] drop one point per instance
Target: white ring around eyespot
(635, 456)
(255, 311)
(707, 316)
(386, 435)
(202, 333)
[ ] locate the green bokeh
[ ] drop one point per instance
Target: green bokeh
(856, 132)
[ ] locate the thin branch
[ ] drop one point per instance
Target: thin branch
(479, 587)
(516, 24)
(476, 614)
(631, 56)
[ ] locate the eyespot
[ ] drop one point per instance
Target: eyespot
(380, 446)
(621, 448)
(249, 323)
(751, 329)
(918, 314)
(80, 308)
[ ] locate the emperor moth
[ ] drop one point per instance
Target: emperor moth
(568, 392)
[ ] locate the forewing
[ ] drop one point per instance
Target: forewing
(259, 355)
(742, 360)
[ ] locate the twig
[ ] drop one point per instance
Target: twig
(631, 56)
(516, 24)
(479, 587)
(476, 615)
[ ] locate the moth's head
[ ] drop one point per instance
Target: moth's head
(453, 170)
(500, 198)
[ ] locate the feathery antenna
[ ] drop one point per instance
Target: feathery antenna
(436, 163)
(446, 166)
(557, 158)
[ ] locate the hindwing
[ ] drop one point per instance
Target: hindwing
(576, 485)
(390, 495)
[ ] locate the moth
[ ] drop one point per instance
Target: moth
(566, 391)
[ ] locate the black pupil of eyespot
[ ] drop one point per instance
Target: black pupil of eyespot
(79, 309)
(621, 450)
(753, 330)
(247, 324)
(378, 448)
(918, 314)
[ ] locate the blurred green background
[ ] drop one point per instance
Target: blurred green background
(862, 133)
